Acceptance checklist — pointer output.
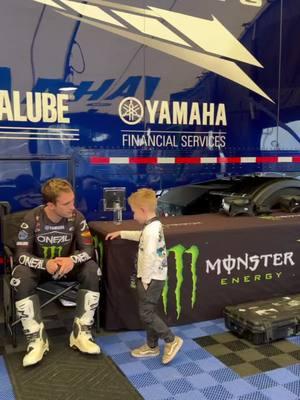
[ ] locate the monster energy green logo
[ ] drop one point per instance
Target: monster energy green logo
(52, 251)
(179, 250)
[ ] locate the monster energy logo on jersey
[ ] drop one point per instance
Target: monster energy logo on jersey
(179, 250)
(52, 251)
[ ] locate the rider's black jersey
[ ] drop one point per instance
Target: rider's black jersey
(40, 239)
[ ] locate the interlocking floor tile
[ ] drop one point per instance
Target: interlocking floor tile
(280, 393)
(217, 392)
(178, 386)
(246, 358)
(294, 387)
(281, 376)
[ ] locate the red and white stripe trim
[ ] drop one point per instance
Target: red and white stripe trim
(193, 160)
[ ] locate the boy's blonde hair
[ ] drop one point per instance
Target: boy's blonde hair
(53, 188)
(143, 198)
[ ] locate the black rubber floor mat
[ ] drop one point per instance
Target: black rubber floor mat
(66, 374)
(246, 358)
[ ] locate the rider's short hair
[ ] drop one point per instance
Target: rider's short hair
(53, 188)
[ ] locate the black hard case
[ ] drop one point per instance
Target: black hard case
(265, 321)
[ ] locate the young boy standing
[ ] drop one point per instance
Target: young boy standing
(152, 271)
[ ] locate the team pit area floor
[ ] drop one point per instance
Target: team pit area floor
(213, 364)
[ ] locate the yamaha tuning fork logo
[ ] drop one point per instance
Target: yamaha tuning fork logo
(131, 110)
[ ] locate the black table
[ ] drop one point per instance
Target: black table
(214, 261)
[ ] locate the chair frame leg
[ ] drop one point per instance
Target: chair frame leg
(13, 328)
(98, 319)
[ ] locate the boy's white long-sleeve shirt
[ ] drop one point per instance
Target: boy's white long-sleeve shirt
(152, 253)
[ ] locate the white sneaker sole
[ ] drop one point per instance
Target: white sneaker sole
(144, 355)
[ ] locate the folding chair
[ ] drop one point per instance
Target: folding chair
(10, 225)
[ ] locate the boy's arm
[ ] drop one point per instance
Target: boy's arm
(131, 235)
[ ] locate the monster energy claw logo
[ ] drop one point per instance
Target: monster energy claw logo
(52, 251)
(179, 251)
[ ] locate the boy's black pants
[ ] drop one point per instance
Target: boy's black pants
(148, 300)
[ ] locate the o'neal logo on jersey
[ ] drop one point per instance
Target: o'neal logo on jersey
(54, 238)
(52, 251)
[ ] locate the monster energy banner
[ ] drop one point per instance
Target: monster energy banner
(212, 263)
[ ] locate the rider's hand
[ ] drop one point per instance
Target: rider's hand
(66, 265)
(52, 266)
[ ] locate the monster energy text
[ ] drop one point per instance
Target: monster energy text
(249, 262)
(235, 280)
